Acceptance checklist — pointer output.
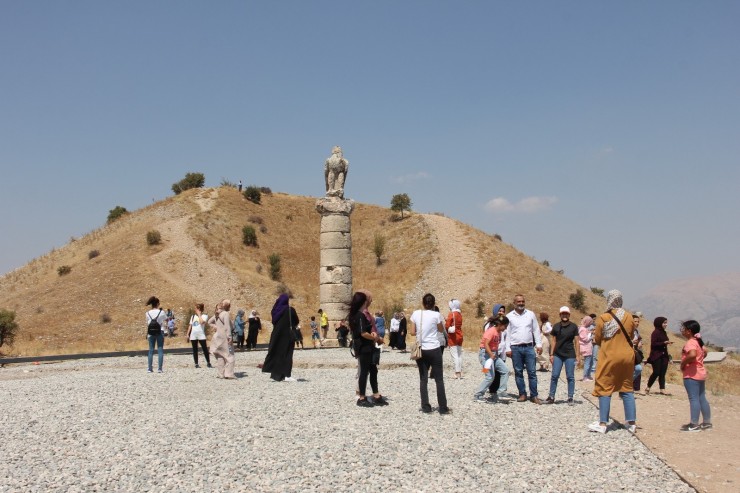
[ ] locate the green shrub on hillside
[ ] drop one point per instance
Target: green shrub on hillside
(379, 248)
(115, 213)
(191, 180)
(153, 237)
(253, 194)
(401, 202)
(63, 270)
(578, 300)
(275, 273)
(249, 236)
(8, 327)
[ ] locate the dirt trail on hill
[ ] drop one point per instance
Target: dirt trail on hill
(454, 271)
(186, 264)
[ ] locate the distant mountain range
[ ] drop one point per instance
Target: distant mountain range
(712, 301)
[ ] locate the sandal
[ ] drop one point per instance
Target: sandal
(664, 393)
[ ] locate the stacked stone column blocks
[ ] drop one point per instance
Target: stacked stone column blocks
(335, 271)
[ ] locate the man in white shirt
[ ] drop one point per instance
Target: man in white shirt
(524, 340)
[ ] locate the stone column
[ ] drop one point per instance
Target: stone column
(335, 271)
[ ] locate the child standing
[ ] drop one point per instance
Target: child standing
(489, 360)
(315, 336)
(695, 376)
(298, 336)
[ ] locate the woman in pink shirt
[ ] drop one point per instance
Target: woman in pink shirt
(695, 376)
(587, 348)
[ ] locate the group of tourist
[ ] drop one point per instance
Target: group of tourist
(609, 347)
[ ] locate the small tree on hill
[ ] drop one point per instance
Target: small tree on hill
(191, 180)
(115, 213)
(401, 202)
(253, 194)
(8, 327)
(578, 300)
(379, 248)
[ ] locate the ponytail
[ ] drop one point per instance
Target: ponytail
(694, 327)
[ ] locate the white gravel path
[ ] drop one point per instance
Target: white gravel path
(107, 425)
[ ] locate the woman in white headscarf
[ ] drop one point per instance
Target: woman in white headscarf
(613, 333)
(455, 336)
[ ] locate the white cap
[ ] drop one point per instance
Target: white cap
(564, 309)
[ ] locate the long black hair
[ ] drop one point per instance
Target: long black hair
(358, 300)
(694, 327)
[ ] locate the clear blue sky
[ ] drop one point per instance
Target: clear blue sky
(601, 136)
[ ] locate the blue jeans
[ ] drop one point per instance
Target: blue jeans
(637, 373)
(698, 402)
(570, 373)
(521, 356)
(628, 399)
(159, 339)
(498, 367)
(589, 366)
(595, 356)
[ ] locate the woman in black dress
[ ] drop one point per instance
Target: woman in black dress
(279, 359)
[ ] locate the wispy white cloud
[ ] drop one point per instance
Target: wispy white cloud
(527, 205)
(419, 175)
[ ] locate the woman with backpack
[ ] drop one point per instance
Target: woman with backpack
(155, 319)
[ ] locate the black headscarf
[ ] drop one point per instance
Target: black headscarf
(658, 322)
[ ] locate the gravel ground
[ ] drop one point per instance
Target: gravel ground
(107, 425)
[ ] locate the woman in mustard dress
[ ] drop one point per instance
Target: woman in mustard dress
(616, 362)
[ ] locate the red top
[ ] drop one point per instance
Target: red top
(455, 339)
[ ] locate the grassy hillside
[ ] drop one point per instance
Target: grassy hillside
(202, 259)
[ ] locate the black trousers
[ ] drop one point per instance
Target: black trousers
(203, 346)
(660, 367)
(368, 368)
(493, 388)
(252, 338)
(431, 358)
(393, 339)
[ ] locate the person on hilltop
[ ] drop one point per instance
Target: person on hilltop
(455, 336)
(659, 357)
(586, 348)
(221, 343)
(543, 359)
(279, 360)
(565, 351)
(155, 319)
(364, 339)
(524, 341)
(197, 334)
(695, 376)
(253, 329)
(613, 333)
(425, 324)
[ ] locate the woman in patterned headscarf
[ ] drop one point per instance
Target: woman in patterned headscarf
(616, 362)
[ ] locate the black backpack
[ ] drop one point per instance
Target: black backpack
(154, 328)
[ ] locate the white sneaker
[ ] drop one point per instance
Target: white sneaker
(290, 379)
(631, 428)
(597, 427)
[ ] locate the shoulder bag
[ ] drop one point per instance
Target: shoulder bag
(416, 347)
(638, 354)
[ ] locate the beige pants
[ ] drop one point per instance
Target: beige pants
(543, 360)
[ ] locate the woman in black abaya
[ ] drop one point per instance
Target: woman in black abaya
(279, 360)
